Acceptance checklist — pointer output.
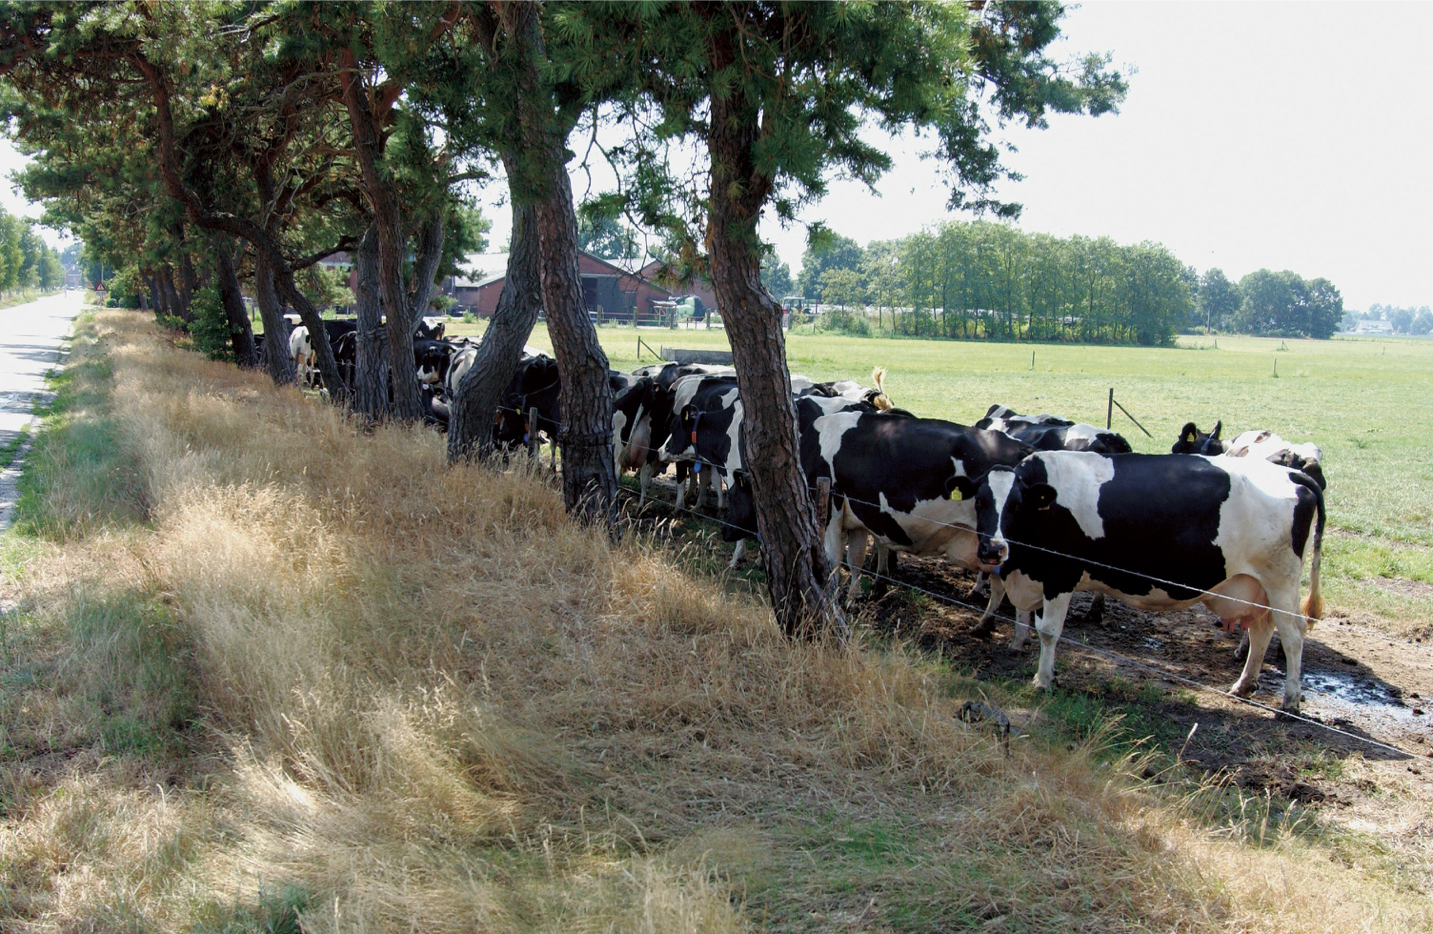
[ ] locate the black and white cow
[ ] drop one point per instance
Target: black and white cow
(632, 431)
(1047, 432)
(1158, 532)
(432, 359)
(1260, 444)
(704, 430)
(907, 481)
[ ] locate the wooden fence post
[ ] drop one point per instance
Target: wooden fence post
(532, 442)
(823, 500)
(1110, 410)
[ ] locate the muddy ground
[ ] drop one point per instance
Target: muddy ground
(1368, 685)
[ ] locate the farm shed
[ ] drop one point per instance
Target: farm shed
(609, 291)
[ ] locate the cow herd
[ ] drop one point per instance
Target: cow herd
(1044, 506)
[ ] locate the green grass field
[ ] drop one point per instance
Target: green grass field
(1361, 401)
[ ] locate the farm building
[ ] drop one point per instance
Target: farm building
(609, 291)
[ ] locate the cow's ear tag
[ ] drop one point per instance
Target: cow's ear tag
(1189, 437)
(955, 495)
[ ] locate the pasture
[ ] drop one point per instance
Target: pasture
(1365, 403)
(265, 668)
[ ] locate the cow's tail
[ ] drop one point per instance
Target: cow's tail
(1313, 606)
(881, 400)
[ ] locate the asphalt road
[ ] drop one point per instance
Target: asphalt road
(30, 338)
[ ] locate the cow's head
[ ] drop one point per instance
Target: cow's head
(1005, 494)
(1193, 441)
(679, 441)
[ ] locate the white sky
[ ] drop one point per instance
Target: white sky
(1281, 135)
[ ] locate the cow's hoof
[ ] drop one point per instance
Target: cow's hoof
(1291, 706)
(1242, 652)
(983, 629)
(1240, 689)
(1017, 645)
(1042, 685)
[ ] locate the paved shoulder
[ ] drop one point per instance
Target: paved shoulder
(30, 339)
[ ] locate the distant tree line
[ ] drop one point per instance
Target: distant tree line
(26, 261)
(1418, 322)
(991, 281)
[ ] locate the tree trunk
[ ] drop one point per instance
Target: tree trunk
(796, 568)
(473, 410)
(174, 306)
(382, 196)
(425, 267)
(370, 371)
(276, 332)
(240, 330)
(589, 478)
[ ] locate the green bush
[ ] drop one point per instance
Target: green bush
(844, 321)
(210, 327)
(125, 288)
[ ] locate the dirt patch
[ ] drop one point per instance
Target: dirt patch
(1403, 587)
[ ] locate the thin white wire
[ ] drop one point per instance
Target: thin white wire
(1099, 564)
(945, 598)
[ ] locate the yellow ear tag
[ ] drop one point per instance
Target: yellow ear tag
(954, 495)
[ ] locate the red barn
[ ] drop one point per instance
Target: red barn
(610, 292)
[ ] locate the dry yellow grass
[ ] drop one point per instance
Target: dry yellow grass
(424, 700)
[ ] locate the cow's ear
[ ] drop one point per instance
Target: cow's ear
(1217, 426)
(1040, 496)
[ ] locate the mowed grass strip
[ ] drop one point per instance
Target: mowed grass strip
(286, 671)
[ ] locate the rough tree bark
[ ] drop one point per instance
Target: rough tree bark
(425, 268)
(382, 196)
(473, 411)
(797, 571)
(370, 371)
(589, 480)
(276, 359)
(240, 330)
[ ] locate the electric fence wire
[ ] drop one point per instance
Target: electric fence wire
(1094, 650)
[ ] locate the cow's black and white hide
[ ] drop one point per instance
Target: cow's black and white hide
(535, 384)
(632, 431)
(1051, 433)
(1158, 532)
(1260, 444)
(907, 481)
(704, 430)
(432, 360)
(853, 391)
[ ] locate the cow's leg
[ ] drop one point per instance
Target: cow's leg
(1291, 625)
(833, 538)
(981, 584)
(1260, 632)
(736, 555)
(856, 543)
(987, 619)
(719, 482)
(1049, 626)
(644, 477)
(1022, 631)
